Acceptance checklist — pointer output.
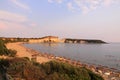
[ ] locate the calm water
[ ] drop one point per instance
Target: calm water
(99, 54)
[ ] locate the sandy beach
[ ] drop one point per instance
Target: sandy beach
(26, 52)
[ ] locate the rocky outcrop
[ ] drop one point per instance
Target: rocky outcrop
(82, 41)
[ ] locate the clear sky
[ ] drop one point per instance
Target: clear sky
(89, 19)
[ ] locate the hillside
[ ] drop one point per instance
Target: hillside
(23, 68)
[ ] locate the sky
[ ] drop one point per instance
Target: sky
(82, 19)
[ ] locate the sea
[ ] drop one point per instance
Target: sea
(97, 54)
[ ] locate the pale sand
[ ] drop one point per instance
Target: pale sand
(25, 52)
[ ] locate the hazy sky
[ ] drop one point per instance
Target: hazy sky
(89, 19)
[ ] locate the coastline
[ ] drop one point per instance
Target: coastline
(22, 51)
(26, 52)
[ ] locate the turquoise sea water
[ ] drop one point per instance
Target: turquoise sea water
(98, 54)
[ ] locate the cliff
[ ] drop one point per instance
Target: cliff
(83, 41)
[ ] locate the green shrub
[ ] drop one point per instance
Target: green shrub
(68, 72)
(12, 53)
(25, 69)
(5, 51)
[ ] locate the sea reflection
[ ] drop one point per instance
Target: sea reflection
(50, 44)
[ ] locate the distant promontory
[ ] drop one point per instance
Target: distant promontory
(52, 39)
(83, 41)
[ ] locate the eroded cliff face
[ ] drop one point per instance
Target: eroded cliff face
(45, 39)
(57, 40)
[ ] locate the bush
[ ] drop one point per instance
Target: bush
(24, 69)
(5, 51)
(12, 53)
(65, 71)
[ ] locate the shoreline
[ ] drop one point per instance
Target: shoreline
(23, 51)
(39, 57)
